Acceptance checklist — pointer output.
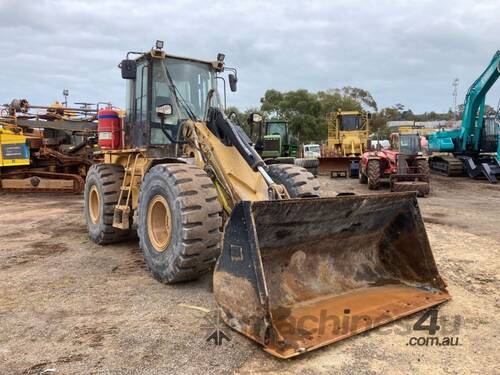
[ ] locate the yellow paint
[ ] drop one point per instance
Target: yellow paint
(416, 130)
(233, 178)
(232, 171)
(10, 137)
(121, 157)
(346, 143)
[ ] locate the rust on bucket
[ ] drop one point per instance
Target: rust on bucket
(295, 275)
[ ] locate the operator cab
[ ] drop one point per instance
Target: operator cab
(350, 122)
(277, 128)
(408, 144)
(163, 91)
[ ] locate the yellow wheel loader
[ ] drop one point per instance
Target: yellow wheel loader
(293, 271)
(347, 141)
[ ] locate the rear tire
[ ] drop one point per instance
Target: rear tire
(298, 182)
(179, 222)
(423, 168)
(100, 196)
(373, 169)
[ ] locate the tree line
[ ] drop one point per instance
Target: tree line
(306, 111)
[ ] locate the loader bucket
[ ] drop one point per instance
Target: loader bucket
(298, 274)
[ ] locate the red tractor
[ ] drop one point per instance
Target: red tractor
(404, 164)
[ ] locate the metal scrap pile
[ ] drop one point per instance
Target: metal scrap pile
(47, 150)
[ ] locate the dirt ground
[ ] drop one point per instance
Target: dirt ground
(73, 307)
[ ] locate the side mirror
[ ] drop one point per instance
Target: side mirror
(164, 110)
(232, 82)
(254, 118)
(129, 69)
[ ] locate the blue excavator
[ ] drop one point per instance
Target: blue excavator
(475, 146)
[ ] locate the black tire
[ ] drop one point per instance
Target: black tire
(196, 221)
(307, 162)
(314, 171)
(279, 160)
(298, 182)
(421, 187)
(363, 179)
(424, 169)
(373, 169)
(107, 180)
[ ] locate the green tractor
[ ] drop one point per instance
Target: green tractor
(276, 145)
(277, 141)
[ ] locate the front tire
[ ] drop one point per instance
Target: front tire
(179, 222)
(373, 169)
(298, 182)
(423, 168)
(100, 196)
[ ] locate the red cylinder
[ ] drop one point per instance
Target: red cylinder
(109, 130)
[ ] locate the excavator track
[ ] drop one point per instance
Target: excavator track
(447, 165)
(43, 182)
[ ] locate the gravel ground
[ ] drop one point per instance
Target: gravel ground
(73, 307)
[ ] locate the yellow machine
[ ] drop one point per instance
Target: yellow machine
(201, 197)
(44, 152)
(348, 133)
(13, 148)
(417, 130)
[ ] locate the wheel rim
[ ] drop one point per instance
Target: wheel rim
(94, 205)
(159, 223)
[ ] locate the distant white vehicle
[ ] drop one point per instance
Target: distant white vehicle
(383, 144)
(312, 151)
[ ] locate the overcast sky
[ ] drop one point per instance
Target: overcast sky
(401, 51)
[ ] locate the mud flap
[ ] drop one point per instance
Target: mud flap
(298, 274)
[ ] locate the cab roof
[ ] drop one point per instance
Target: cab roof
(167, 55)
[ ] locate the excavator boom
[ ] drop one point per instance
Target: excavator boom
(475, 101)
(475, 143)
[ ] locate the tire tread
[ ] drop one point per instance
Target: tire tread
(200, 223)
